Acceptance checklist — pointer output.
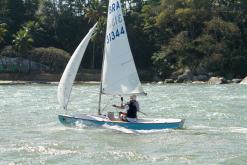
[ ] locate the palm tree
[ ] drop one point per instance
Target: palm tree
(95, 11)
(22, 44)
(3, 31)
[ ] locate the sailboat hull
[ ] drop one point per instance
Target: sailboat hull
(141, 124)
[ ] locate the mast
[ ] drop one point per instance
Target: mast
(100, 90)
(100, 93)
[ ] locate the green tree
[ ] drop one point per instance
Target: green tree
(95, 9)
(31, 7)
(3, 31)
(46, 17)
(22, 44)
(3, 10)
(15, 13)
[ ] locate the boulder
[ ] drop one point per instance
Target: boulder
(236, 80)
(244, 81)
(187, 76)
(198, 82)
(229, 81)
(160, 82)
(217, 80)
(223, 80)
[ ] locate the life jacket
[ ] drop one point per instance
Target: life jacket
(132, 111)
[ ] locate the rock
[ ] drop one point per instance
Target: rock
(169, 81)
(198, 82)
(223, 80)
(187, 76)
(244, 81)
(229, 81)
(217, 80)
(236, 80)
(160, 82)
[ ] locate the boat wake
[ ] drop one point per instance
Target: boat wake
(242, 130)
(131, 131)
(81, 125)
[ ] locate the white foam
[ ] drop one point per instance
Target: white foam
(79, 124)
(119, 128)
(131, 131)
(238, 130)
(45, 150)
(154, 131)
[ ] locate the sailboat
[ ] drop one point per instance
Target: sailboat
(119, 77)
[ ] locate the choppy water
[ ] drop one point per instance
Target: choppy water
(215, 128)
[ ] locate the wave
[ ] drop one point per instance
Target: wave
(46, 150)
(238, 130)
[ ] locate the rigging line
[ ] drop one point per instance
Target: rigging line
(106, 105)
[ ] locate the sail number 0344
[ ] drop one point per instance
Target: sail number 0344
(114, 34)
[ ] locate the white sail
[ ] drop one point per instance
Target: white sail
(69, 74)
(119, 72)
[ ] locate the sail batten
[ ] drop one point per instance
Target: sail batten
(69, 74)
(119, 72)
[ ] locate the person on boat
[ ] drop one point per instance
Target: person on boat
(131, 108)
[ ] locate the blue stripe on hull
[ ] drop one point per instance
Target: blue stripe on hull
(69, 120)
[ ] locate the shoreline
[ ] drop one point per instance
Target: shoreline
(17, 82)
(55, 83)
(45, 78)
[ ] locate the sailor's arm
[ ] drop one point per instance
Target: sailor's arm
(119, 107)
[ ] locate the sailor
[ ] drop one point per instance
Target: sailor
(131, 109)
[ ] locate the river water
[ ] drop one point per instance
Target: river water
(215, 130)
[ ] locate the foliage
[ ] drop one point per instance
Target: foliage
(56, 59)
(22, 40)
(203, 35)
(3, 31)
(165, 35)
(8, 51)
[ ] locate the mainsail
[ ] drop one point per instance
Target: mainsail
(69, 74)
(119, 72)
